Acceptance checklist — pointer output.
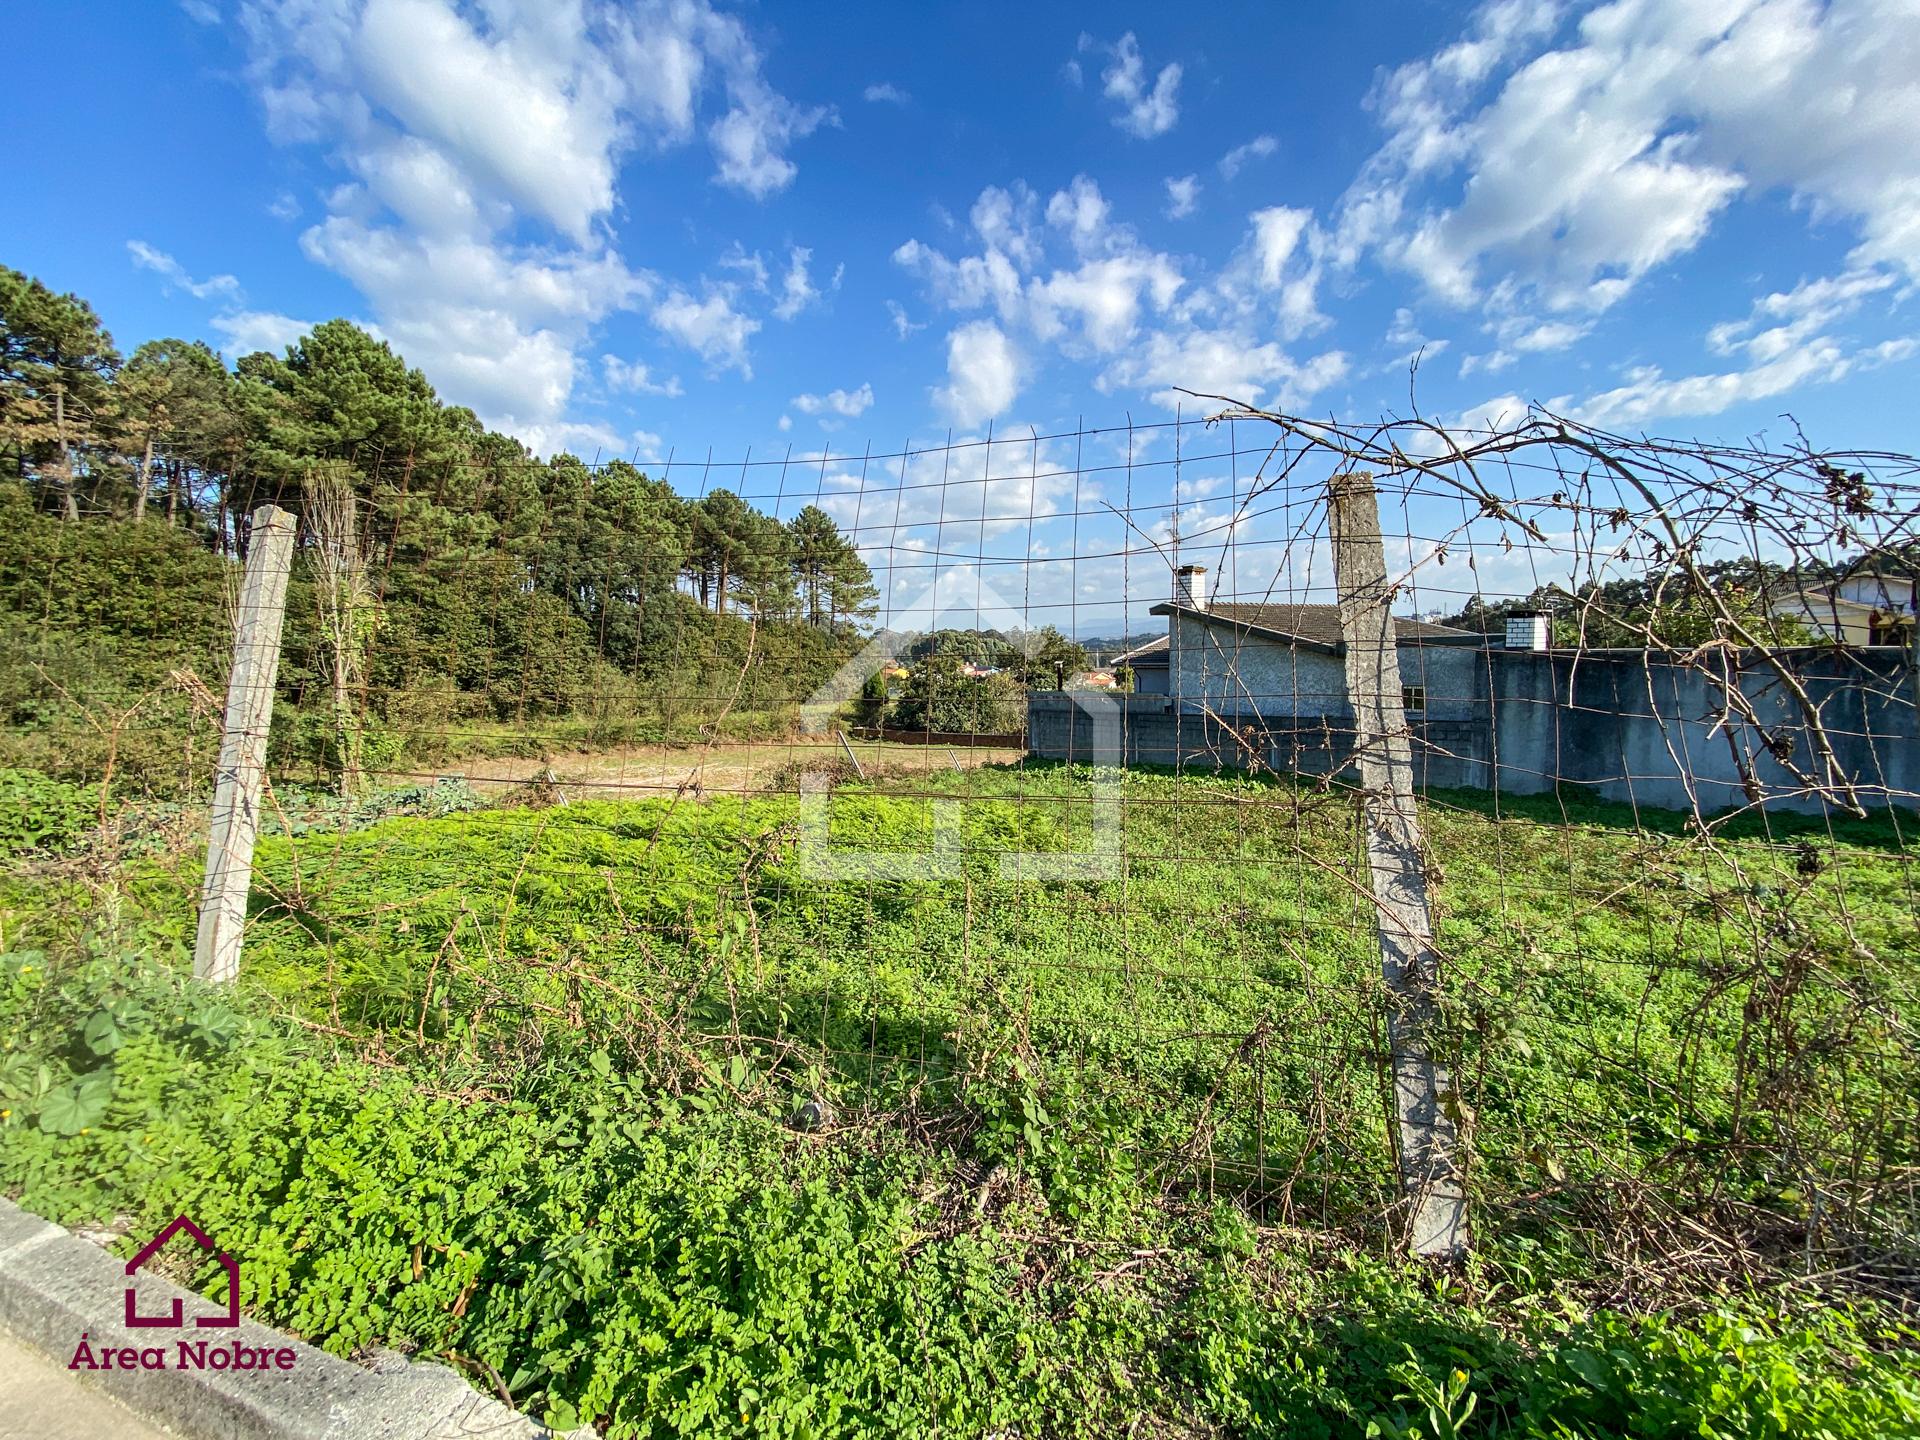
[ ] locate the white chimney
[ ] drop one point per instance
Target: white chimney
(1527, 630)
(1190, 587)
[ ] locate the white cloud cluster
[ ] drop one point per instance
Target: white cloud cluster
(1143, 108)
(245, 331)
(983, 374)
(848, 404)
(1532, 166)
(1787, 319)
(175, 274)
(241, 330)
(1183, 195)
(1236, 159)
(462, 125)
(1117, 304)
(632, 375)
(1787, 342)
(710, 327)
(532, 102)
(797, 290)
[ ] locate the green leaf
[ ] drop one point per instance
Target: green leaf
(78, 1105)
(102, 1033)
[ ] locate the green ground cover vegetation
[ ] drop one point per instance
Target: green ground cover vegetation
(628, 1109)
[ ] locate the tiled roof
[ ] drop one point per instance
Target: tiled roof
(1154, 652)
(1314, 625)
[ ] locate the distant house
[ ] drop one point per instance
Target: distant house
(1863, 606)
(1263, 686)
(1149, 665)
(1279, 661)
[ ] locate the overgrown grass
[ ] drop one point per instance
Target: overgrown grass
(636, 1105)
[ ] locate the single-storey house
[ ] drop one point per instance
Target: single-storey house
(1243, 685)
(1287, 662)
(1149, 666)
(1863, 606)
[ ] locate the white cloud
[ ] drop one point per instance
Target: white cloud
(1145, 110)
(1278, 265)
(637, 377)
(1081, 211)
(796, 290)
(1222, 362)
(983, 374)
(1404, 331)
(176, 277)
(1133, 309)
(1529, 167)
(1530, 336)
(1649, 395)
(1101, 302)
(750, 140)
(751, 264)
(1003, 219)
(786, 423)
(245, 331)
(1785, 319)
(711, 328)
(1501, 413)
(1093, 306)
(496, 327)
(533, 104)
(538, 125)
(1276, 231)
(886, 93)
(847, 403)
(903, 326)
(284, 207)
(1491, 362)
(1784, 338)
(1235, 160)
(590, 440)
(1183, 194)
(461, 124)
(202, 12)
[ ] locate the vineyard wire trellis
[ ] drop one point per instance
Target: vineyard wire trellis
(1217, 983)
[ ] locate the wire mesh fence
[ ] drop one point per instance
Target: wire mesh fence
(1012, 797)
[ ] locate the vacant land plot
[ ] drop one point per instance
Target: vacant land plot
(644, 1112)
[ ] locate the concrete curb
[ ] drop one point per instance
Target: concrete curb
(55, 1286)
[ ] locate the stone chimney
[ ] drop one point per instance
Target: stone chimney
(1190, 587)
(1528, 630)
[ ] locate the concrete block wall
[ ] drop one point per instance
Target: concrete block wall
(1149, 730)
(1524, 723)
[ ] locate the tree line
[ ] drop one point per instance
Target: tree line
(447, 578)
(171, 430)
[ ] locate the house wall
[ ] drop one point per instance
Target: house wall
(1151, 680)
(1231, 673)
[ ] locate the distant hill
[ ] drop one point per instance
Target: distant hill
(1104, 647)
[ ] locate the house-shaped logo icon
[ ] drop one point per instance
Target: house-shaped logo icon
(175, 1320)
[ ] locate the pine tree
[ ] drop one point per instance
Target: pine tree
(55, 366)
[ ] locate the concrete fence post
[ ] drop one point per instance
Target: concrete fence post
(1427, 1137)
(243, 746)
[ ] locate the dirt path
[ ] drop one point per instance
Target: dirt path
(735, 768)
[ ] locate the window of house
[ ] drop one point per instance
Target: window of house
(1413, 697)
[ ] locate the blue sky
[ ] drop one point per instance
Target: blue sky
(632, 228)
